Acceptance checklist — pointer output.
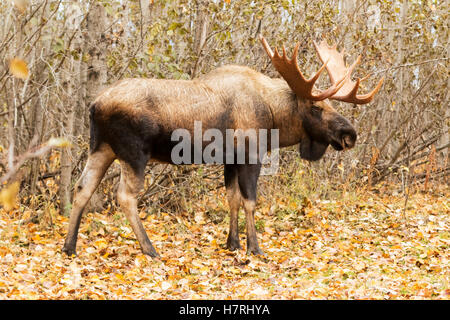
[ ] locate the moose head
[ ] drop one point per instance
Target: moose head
(321, 124)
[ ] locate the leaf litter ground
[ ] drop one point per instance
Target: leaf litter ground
(366, 247)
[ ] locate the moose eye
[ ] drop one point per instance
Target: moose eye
(316, 111)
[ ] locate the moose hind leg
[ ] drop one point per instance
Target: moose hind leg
(96, 166)
(248, 179)
(234, 201)
(131, 181)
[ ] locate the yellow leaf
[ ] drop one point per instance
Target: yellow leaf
(101, 244)
(18, 68)
(150, 50)
(120, 277)
(8, 196)
(204, 270)
(59, 142)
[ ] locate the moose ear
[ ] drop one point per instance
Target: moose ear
(311, 150)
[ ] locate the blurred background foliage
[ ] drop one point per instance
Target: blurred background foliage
(56, 55)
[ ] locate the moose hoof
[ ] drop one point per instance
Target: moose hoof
(256, 251)
(233, 244)
(151, 253)
(69, 251)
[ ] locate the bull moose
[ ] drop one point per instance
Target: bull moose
(133, 120)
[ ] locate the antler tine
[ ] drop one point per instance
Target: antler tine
(290, 71)
(337, 67)
(335, 87)
(366, 77)
(352, 97)
(295, 53)
(284, 53)
(293, 61)
(266, 46)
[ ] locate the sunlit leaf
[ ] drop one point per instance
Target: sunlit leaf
(59, 142)
(8, 196)
(18, 68)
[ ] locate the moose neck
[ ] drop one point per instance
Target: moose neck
(286, 112)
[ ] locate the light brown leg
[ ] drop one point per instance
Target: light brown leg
(252, 241)
(130, 184)
(96, 166)
(248, 179)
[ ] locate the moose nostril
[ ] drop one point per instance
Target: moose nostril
(349, 140)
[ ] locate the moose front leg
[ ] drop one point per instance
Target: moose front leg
(234, 201)
(131, 181)
(248, 180)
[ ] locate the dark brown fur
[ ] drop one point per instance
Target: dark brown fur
(133, 120)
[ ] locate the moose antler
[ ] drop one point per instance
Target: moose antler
(336, 68)
(289, 70)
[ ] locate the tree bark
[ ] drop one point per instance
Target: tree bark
(71, 85)
(201, 31)
(95, 46)
(37, 112)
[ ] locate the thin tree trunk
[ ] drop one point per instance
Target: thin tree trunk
(96, 76)
(37, 110)
(201, 31)
(96, 72)
(66, 153)
(71, 84)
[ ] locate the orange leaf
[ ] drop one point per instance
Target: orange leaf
(8, 196)
(18, 68)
